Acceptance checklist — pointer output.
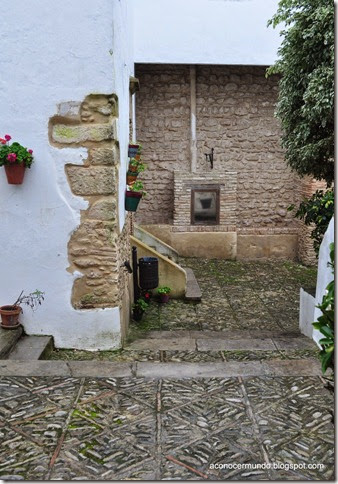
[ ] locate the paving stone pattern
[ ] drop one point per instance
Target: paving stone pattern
(236, 295)
(186, 407)
(146, 429)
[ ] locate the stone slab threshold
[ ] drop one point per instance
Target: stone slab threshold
(154, 370)
(181, 343)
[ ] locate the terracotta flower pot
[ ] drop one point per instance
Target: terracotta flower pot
(10, 317)
(15, 173)
(131, 178)
(132, 168)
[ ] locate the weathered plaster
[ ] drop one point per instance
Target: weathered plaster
(71, 51)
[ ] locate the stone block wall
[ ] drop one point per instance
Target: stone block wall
(163, 126)
(235, 116)
(96, 249)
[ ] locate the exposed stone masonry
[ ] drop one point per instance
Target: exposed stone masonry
(163, 127)
(95, 248)
(235, 115)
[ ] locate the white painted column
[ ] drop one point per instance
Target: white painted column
(193, 138)
(133, 106)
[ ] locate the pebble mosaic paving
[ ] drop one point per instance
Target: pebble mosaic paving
(163, 428)
(146, 429)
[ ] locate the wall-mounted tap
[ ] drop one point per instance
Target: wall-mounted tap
(210, 157)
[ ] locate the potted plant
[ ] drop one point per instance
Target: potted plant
(15, 158)
(134, 149)
(136, 166)
(10, 313)
(138, 309)
(164, 293)
(134, 194)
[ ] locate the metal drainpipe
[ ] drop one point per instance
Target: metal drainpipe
(193, 138)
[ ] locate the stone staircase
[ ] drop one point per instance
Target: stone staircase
(171, 273)
(14, 345)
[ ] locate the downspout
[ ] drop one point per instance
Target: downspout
(193, 138)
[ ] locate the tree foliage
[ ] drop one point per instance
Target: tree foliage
(306, 95)
(325, 323)
(317, 210)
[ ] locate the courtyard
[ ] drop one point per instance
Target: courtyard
(177, 405)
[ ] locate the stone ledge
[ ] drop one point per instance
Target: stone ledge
(104, 369)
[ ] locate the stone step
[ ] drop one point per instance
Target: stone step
(225, 334)
(178, 370)
(8, 339)
(32, 348)
(194, 343)
(193, 291)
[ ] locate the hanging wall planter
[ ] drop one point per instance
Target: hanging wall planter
(132, 200)
(131, 177)
(15, 158)
(15, 173)
(134, 194)
(132, 150)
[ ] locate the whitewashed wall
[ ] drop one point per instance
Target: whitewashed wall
(51, 52)
(205, 31)
(324, 275)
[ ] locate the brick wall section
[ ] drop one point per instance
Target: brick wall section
(185, 182)
(235, 115)
(306, 253)
(163, 126)
(95, 249)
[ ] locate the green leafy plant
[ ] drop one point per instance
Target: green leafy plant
(137, 187)
(138, 165)
(34, 299)
(14, 153)
(140, 305)
(306, 89)
(317, 210)
(164, 290)
(325, 323)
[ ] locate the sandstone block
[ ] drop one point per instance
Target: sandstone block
(103, 210)
(104, 156)
(68, 134)
(91, 180)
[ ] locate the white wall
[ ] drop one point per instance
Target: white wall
(324, 275)
(205, 31)
(51, 52)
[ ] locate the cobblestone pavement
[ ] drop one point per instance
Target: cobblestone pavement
(152, 429)
(184, 428)
(236, 295)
